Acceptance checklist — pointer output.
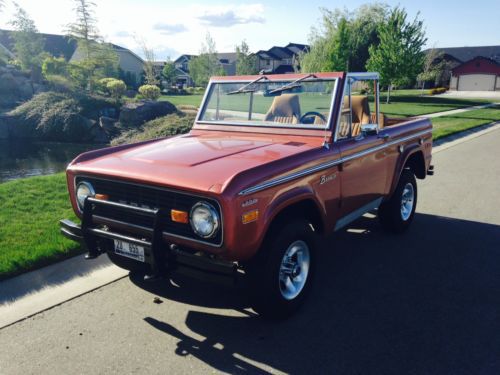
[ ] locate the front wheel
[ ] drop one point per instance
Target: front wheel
(397, 213)
(280, 277)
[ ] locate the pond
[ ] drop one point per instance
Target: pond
(20, 159)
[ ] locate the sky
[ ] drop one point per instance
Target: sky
(173, 27)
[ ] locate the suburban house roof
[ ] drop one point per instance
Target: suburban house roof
(56, 45)
(183, 57)
(279, 53)
(463, 54)
(478, 65)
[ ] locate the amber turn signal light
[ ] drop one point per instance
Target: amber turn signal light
(250, 216)
(179, 216)
(102, 197)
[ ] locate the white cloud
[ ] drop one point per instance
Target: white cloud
(169, 29)
(231, 15)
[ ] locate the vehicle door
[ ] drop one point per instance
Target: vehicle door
(363, 171)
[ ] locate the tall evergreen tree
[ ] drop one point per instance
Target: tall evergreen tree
(28, 43)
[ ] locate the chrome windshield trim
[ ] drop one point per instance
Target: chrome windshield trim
(328, 164)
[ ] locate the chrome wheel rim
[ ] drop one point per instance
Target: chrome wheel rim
(407, 201)
(294, 270)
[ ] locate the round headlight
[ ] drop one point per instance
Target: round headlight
(204, 219)
(83, 190)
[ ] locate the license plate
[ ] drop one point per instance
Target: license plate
(129, 250)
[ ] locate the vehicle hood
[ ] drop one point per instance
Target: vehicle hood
(199, 161)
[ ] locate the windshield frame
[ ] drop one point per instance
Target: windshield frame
(282, 78)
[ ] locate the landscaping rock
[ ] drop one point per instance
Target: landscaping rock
(108, 124)
(98, 134)
(137, 113)
(4, 127)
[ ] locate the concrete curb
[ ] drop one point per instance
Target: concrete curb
(464, 136)
(31, 293)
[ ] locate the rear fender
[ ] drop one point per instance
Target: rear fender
(414, 157)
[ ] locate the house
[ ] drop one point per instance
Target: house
(472, 68)
(280, 60)
(227, 61)
(129, 63)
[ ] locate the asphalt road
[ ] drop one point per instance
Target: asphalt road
(425, 302)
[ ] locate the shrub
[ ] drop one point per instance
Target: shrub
(57, 116)
(151, 92)
(176, 123)
(116, 88)
(54, 66)
(438, 90)
(60, 83)
(111, 86)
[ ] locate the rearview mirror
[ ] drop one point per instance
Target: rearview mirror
(369, 129)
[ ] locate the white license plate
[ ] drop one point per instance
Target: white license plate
(129, 250)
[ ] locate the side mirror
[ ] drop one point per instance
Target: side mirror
(369, 129)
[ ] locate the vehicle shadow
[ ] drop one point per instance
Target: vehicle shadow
(426, 301)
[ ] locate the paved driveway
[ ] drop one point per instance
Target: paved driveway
(493, 95)
(426, 302)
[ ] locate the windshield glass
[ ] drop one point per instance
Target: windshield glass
(304, 104)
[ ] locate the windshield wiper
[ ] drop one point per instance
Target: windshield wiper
(291, 85)
(243, 89)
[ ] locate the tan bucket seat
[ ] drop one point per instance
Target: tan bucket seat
(284, 110)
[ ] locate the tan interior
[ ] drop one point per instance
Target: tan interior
(285, 109)
(360, 115)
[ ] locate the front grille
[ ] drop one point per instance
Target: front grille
(148, 197)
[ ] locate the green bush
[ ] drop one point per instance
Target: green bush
(438, 90)
(57, 116)
(150, 92)
(59, 83)
(176, 123)
(54, 66)
(116, 88)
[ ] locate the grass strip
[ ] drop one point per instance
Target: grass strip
(30, 210)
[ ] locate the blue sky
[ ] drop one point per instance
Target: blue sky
(174, 27)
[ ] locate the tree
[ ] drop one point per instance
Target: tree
(84, 30)
(168, 72)
(149, 62)
(28, 43)
(432, 67)
(343, 39)
(399, 57)
(207, 64)
(246, 62)
(96, 58)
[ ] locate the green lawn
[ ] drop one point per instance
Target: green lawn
(447, 125)
(404, 103)
(193, 100)
(29, 232)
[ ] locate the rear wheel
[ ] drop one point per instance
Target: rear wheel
(397, 213)
(281, 275)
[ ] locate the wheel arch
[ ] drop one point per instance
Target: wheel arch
(413, 160)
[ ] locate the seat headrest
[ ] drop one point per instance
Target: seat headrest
(285, 105)
(360, 108)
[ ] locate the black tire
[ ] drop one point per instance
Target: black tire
(263, 272)
(390, 213)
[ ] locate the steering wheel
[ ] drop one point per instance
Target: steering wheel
(308, 117)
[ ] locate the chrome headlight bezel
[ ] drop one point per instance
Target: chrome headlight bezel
(81, 199)
(214, 215)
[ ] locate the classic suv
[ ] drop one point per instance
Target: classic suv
(272, 163)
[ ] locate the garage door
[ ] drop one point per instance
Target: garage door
(476, 82)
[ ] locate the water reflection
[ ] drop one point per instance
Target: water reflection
(24, 159)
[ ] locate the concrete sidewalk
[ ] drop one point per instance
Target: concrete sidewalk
(36, 291)
(461, 110)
